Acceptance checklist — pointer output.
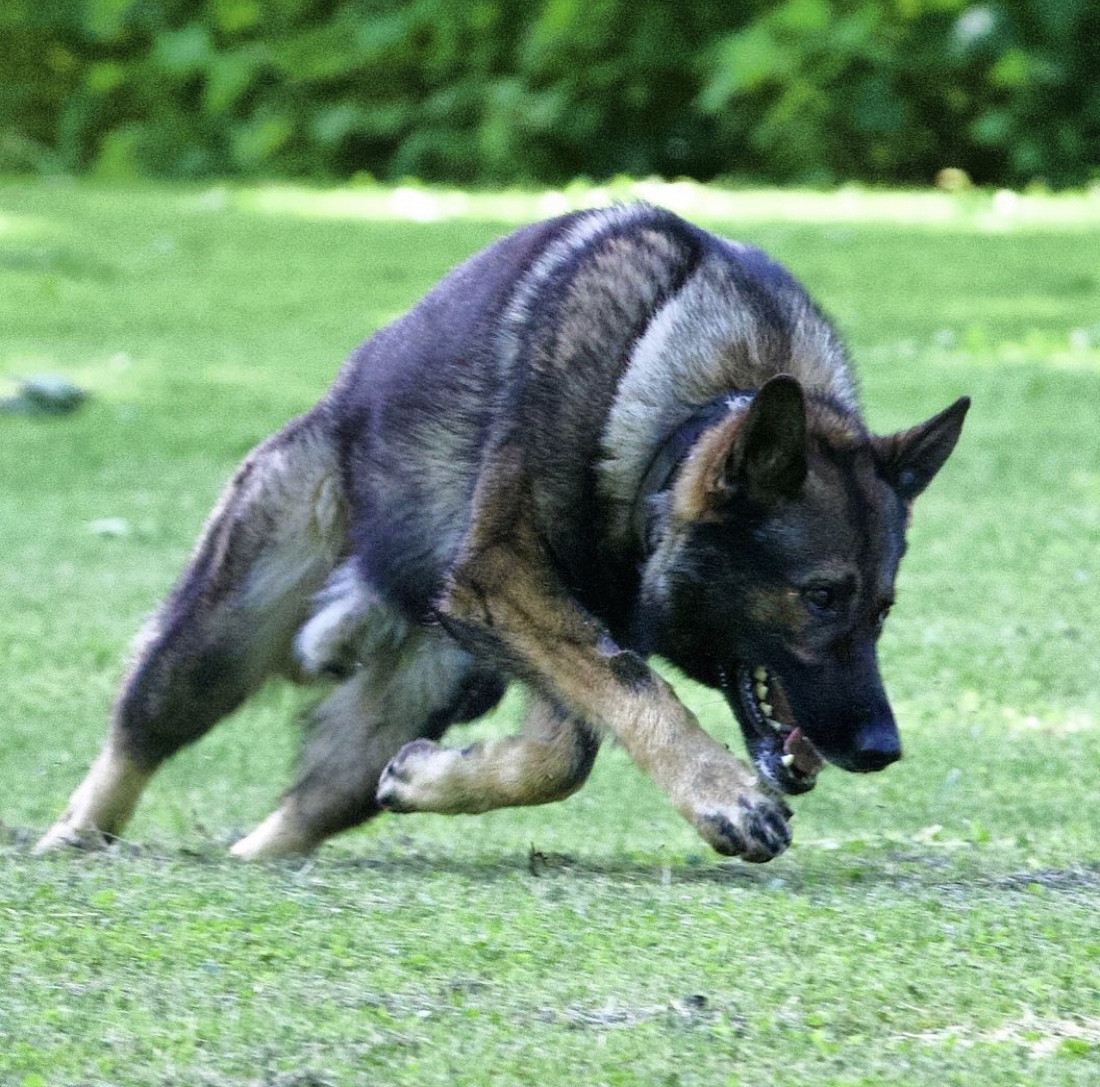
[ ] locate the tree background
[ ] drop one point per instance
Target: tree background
(512, 91)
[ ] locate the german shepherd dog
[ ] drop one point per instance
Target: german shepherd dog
(605, 437)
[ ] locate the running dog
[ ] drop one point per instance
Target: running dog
(606, 437)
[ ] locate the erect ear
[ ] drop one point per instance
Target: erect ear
(909, 460)
(768, 457)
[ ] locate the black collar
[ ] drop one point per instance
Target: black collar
(669, 455)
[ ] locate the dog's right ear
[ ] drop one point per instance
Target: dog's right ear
(768, 457)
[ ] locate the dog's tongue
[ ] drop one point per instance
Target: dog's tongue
(806, 759)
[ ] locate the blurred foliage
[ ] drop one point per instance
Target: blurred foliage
(497, 91)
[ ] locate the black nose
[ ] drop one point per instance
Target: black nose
(877, 745)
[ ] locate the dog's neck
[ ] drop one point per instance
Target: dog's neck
(670, 454)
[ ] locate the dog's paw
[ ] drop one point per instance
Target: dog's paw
(339, 665)
(67, 835)
(407, 782)
(321, 657)
(756, 830)
(327, 646)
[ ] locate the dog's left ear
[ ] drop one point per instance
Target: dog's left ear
(768, 458)
(909, 460)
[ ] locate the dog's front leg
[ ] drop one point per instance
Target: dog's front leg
(514, 611)
(548, 761)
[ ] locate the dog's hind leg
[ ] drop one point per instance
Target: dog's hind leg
(549, 761)
(273, 539)
(409, 682)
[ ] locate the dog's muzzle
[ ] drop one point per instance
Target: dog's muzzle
(783, 755)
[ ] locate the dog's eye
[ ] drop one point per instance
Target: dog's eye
(820, 599)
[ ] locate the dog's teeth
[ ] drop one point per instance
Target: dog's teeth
(761, 674)
(766, 709)
(761, 690)
(774, 724)
(787, 761)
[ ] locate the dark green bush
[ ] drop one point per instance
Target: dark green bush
(892, 91)
(505, 90)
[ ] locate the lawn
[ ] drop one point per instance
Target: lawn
(936, 924)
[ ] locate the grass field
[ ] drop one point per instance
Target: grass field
(937, 924)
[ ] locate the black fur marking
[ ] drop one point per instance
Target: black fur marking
(725, 837)
(765, 836)
(771, 450)
(481, 693)
(631, 671)
(918, 454)
(583, 755)
(668, 457)
(159, 713)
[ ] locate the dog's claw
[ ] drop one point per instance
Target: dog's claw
(759, 834)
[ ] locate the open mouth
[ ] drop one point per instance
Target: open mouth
(781, 752)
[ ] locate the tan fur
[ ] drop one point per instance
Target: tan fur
(101, 806)
(506, 592)
(263, 554)
(699, 484)
(549, 761)
(703, 342)
(281, 834)
(564, 249)
(405, 672)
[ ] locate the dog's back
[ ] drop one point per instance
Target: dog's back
(586, 340)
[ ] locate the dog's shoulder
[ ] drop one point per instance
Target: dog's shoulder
(736, 321)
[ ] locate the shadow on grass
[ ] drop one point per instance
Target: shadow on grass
(886, 867)
(916, 872)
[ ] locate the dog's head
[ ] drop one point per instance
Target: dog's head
(773, 570)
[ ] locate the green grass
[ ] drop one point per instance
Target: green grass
(937, 924)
